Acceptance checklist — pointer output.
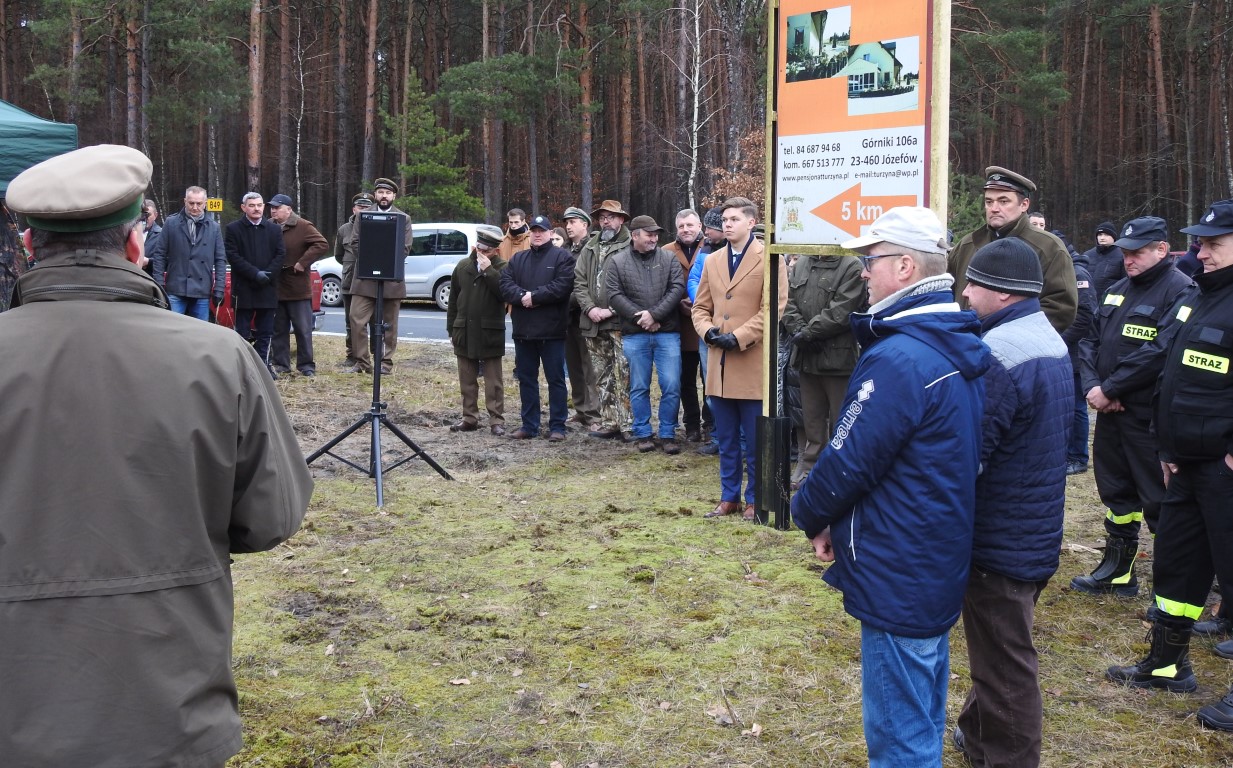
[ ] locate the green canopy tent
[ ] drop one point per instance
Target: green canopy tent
(27, 140)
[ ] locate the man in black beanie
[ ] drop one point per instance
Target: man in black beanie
(1104, 262)
(1020, 500)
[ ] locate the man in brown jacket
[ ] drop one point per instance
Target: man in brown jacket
(728, 315)
(685, 248)
(518, 236)
(148, 450)
(295, 290)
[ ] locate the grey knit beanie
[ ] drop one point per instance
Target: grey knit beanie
(1007, 265)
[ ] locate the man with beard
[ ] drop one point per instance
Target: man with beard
(1007, 199)
(517, 237)
(577, 358)
(685, 248)
(599, 322)
(364, 292)
(537, 285)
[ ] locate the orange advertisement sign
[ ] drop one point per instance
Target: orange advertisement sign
(852, 114)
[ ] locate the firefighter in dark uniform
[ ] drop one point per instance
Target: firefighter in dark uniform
(1119, 371)
(1193, 420)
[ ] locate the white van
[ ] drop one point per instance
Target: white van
(435, 249)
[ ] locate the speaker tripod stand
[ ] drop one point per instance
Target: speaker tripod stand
(376, 416)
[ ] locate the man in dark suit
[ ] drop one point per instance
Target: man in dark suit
(255, 251)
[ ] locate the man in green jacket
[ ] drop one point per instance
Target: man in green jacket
(1007, 199)
(476, 323)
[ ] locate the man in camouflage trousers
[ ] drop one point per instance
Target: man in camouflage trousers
(599, 323)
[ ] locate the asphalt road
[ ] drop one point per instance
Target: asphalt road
(415, 323)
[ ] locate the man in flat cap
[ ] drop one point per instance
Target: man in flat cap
(475, 321)
(1020, 503)
(1119, 369)
(1007, 199)
(364, 292)
(599, 322)
(645, 286)
(304, 245)
(149, 449)
(892, 496)
(187, 257)
(344, 252)
(255, 250)
(1193, 421)
(583, 391)
(537, 285)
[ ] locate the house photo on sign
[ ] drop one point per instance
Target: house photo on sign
(853, 115)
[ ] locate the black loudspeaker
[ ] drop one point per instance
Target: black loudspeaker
(382, 246)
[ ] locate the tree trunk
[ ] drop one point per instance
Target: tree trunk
(1164, 150)
(285, 159)
(532, 133)
(344, 184)
(132, 90)
(146, 79)
(368, 166)
(626, 128)
(255, 47)
(586, 136)
(490, 197)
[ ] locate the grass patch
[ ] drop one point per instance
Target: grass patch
(567, 603)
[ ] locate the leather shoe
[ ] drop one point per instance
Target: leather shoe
(497, 430)
(605, 434)
(671, 447)
(750, 514)
(521, 434)
(693, 435)
(956, 738)
(309, 372)
(386, 370)
(1216, 626)
(710, 449)
(645, 445)
(1219, 715)
(724, 508)
(1224, 650)
(464, 426)
(556, 437)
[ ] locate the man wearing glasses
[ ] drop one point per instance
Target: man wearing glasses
(892, 497)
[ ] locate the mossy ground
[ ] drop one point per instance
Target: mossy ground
(568, 604)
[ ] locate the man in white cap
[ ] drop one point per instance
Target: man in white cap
(148, 449)
(900, 471)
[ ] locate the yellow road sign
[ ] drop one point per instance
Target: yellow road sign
(214, 204)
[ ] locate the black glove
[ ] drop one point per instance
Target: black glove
(727, 341)
(711, 335)
(799, 339)
(218, 298)
(263, 278)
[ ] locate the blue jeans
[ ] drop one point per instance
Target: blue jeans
(187, 305)
(734, 419)
(663, 350)
(1077, 449)
(903, 697)
(528, 353)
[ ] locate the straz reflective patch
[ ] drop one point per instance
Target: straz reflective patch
(1205, 362)
(1183, 313)
(1114, 299)
(1144, 332)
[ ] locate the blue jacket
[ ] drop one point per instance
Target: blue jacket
(897, 482)
(1029, 402)
(194, 270)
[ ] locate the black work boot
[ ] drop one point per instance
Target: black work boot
(1167, 664)
(1219, 625)
(1116, 572)
(1220, 714)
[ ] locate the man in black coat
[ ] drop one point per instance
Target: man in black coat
(537, 286)
(255, 251)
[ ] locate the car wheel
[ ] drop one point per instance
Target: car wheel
(331, 292)
(441, 294)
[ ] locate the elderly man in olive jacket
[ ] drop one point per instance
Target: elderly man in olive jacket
(145, 453)
(476, 323)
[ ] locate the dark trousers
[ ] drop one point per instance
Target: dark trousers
(1003, 716)
(528, 355)
(298, 316)
(695, 414)
(1077, 449)
(821, 396)
(347, 325)
(257, 327)
(1194, 538)
(581, 373)
(1128, 474)
(733, 419)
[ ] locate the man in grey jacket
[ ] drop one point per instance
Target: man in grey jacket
(188, 258)
(147, 452)
(645, 286)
